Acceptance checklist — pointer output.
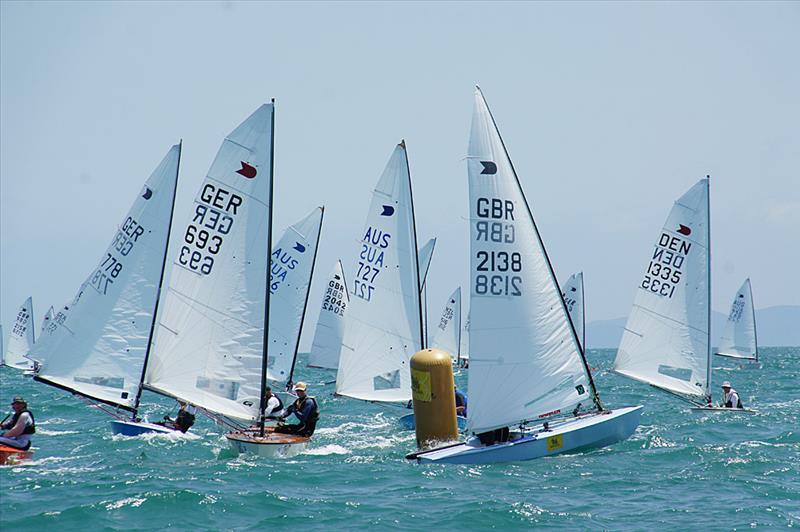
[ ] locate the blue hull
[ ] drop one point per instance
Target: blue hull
(574, 435)
(407, 422)
(132, 428)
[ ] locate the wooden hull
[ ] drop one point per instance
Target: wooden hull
(271, 445)
(407, 422)
(586, 432)
(133, 428)
(723, 409)
(11, 456)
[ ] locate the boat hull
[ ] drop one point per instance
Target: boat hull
(585, 432)
(723, 409)
(270, 445)
(408, 423)
(133, 428)
(11, 456)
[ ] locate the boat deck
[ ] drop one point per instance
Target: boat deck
(270, 437)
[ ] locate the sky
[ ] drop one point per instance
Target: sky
(609, 111)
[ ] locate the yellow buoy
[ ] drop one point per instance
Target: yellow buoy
(432, 388)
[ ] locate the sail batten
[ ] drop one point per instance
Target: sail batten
(665, 341)
(96, 346)
(521, 339)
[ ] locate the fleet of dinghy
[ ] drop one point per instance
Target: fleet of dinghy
(231, 317)
(521, 338)
(739, 339)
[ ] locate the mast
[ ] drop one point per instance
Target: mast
(595, 396)
(753, 312)
(160, 284)
(305, 304)
(261, 402)
(583, 314)
(422, 342)
(708, 273)
(458, 344)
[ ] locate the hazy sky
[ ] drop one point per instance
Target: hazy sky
(610, 111)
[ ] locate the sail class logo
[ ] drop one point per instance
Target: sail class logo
(388, 210)
(247, 170)
(148, 193)
(489, 168)
(299, 247)
(682, 229)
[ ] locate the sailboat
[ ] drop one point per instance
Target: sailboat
(97, 346)
(384, 320)
(463, 354)
(739, 339)
(20, 340)
(425, 256)
(330, 325)
(667, 340)
(528, 377)
(572, 292)
(47, 317)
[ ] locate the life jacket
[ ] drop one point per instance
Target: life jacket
(729, 402)
(299, 403)
(29, 429)
(276, 411)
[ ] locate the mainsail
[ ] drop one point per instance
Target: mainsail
(425, 256)
(292, 265)
(739, 337)
(521, 340)
(666, 340)
(330, 326)
(572, 292)
(21, 339)
(47, 317)
(208, 346)
(448, 331)
(97, 346)
(384, 321)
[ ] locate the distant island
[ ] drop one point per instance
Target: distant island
(779, 325)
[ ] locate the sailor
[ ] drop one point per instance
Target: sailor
(731, 398)
(274, 407)
(305, 409)
(461, 402)
(19, 429)
(185, 418)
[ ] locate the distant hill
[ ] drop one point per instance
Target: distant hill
(775, 325)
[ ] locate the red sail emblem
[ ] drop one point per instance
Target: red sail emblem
(684, 230)
(248, 171)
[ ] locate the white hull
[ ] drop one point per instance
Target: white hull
(271, 445)
(723, 409)
(573, 435)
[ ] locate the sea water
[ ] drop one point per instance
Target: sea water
(680, 470)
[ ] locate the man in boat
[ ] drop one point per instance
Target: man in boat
(274, 407)
(19, 429)
(730, 399)
(184, 420)
(305, 409)
(461, 402)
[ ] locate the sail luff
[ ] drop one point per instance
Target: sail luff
(708, 273)
(587, 370)
(160, 284)
(415, 244)
(753, 312)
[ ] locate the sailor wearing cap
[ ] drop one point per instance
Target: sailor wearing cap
(731, 398)
(19, 429)
(305, 409)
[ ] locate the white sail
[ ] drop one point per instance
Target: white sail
(448, 330)
(525, 361)
(739, 337)
(21, 339)
(98, 346)
(425, 256)
(47, 317)
(208, 347)
(330, 326)
(464, 347)
(572, 292)
(292, 265)
(384, 323)
(665, 342)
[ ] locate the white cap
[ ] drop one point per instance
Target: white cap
(726, 384)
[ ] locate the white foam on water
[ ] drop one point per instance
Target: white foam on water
(134, 502)
(327, 450)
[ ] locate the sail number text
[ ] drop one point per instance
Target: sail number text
(214, 214)
(334, 298)
(126, 237)
(496, 226)
(371, 262)
(664, 271)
